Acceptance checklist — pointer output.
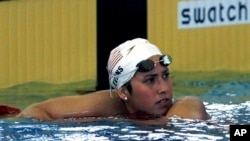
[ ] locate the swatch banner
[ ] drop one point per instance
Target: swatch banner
(207, 13)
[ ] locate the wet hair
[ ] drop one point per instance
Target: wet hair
(128, 86)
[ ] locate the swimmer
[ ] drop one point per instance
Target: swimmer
(140, 88)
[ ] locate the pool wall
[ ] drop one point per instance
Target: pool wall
(56, 42)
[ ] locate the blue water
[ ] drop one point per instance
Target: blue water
(106, 129)
(227, 103)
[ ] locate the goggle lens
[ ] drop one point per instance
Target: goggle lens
(148, 65)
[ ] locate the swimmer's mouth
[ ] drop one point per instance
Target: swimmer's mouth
(165, 100)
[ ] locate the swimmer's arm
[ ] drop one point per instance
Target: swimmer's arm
(74, 107)
(35, 111)
(56, 108)
(189, 107)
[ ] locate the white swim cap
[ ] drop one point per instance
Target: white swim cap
(124, 58)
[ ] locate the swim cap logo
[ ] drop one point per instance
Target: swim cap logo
(130, 49)
(115, 57)
(117, 72)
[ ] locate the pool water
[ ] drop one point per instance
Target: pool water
(227, 100)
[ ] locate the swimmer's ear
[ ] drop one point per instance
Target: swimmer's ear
(123, 93)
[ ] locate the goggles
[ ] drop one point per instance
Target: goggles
(148, 65)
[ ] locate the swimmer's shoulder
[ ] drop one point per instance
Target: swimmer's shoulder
(103, 93)
(189, 107)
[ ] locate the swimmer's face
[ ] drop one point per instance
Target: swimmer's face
(151, 91)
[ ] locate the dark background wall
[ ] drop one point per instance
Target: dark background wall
(117, 21)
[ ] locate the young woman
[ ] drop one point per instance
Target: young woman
(140, 88)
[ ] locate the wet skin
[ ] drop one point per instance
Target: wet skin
(151, 94)
(151, 91)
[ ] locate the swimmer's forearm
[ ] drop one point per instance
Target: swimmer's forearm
(35, 111)
(189, 107)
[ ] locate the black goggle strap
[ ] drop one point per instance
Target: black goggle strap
(110, 88)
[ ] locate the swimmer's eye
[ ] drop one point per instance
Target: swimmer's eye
(150, 80)
(166, 75)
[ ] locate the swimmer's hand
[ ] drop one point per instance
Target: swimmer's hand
(34, 111)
